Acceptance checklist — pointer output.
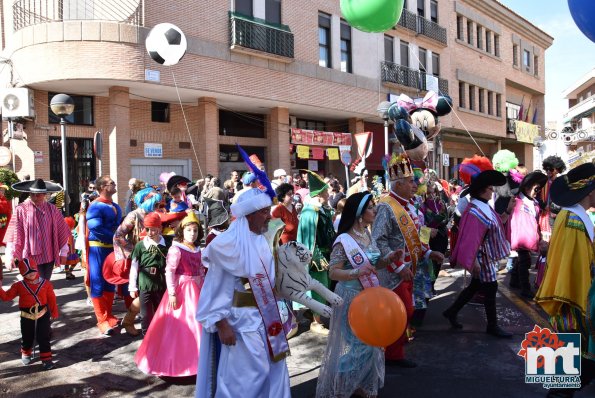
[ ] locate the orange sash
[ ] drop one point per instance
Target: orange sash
(408, 229)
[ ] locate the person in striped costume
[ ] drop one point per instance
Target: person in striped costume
(481, 244)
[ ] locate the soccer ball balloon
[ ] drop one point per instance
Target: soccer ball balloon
(166, 44)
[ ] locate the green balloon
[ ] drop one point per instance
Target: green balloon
(372, 15)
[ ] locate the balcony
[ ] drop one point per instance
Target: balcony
(583, 109)
(256, 35)
(423, 26)
(33, 12)
(404, 76)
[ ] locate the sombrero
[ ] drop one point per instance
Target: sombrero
(569, 189)
(116, 272)
(175, 180)
(36, 186)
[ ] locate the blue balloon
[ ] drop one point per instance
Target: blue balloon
(408, 135)
(396, 112)
(582, 12)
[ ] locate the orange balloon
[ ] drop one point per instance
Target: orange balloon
(377, 316)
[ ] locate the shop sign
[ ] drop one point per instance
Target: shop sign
(319, 138)
(153, 150)
(445, 159)
(38, 156)
(152, 75)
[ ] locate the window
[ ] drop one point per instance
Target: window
(535, 63)
(241, 124)
(481, 100)
(311, 125)
(460, 33)
(490, 103)
(389, 49)
(324, 40)
(423, 59)
(527, 60)
(461, 95)
(434, 11)
(244, 7)
(488, 41)
(421, 8)
(479, 37)
(498, 105)
(273, 11)
(436, 64)
(345, 47)
(470, 32)
(471, 97)
(160, 112)
(83, 111)
(496, 45)
(404, 53)
(512, 114)
(515, 56)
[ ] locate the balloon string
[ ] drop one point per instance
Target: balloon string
(421, 66)
(186, 122)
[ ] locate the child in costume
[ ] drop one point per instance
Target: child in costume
(170, 347)
(147, 271)
(72, 258)
(37, 302)
(177, 203)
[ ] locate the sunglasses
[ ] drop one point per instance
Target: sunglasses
(91, 187)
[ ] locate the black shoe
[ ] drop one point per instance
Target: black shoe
(48, 365)
(452, 318)
(401, 363)
(498, 332)
(528, 294)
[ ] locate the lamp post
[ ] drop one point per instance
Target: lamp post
(383, 113)
(63, 105)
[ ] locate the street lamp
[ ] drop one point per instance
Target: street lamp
(63, 105)
(383, 113)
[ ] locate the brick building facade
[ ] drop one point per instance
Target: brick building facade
(253, 69)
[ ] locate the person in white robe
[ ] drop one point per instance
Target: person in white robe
(227, 311)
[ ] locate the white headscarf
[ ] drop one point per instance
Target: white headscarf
(237, 249)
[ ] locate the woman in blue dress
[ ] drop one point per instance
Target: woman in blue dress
(350, 366)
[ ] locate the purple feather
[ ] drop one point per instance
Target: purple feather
(260, 175)
(516, 176)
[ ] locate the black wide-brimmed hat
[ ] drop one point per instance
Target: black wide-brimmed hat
(36, 186)
(175, 180)
(571, 188)
(217, 213)
(485, 179)
(533, 178)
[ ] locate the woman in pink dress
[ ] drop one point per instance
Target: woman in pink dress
(171, 345)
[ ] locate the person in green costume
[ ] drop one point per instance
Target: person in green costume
(316, 232)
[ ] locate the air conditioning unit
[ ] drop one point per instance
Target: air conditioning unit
(17, 102)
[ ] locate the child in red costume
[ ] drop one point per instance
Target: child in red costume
(37, 302)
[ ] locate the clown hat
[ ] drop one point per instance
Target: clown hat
(189, 219)
(479, 173)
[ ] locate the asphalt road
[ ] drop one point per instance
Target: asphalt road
(452, 363)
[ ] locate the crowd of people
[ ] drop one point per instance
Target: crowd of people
(191, 262)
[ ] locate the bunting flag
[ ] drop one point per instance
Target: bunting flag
(528, 112)
(521, 109)
(534, 120)
(318, 153)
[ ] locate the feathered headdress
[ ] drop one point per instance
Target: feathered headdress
(471, 167)
(260, 174)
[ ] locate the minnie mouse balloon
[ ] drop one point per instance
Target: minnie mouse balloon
(166, 44)
(372, 15)
(584, 17)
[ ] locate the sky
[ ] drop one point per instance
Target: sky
(570, 57)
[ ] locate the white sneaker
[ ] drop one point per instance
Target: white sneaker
(89, 302)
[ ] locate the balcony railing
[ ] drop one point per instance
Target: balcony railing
(423, 26)
(404, 76)
(32, 12)
(254, 34)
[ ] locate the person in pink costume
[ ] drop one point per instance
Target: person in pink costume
(171, 344)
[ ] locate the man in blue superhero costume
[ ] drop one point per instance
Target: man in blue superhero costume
(103, 217)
